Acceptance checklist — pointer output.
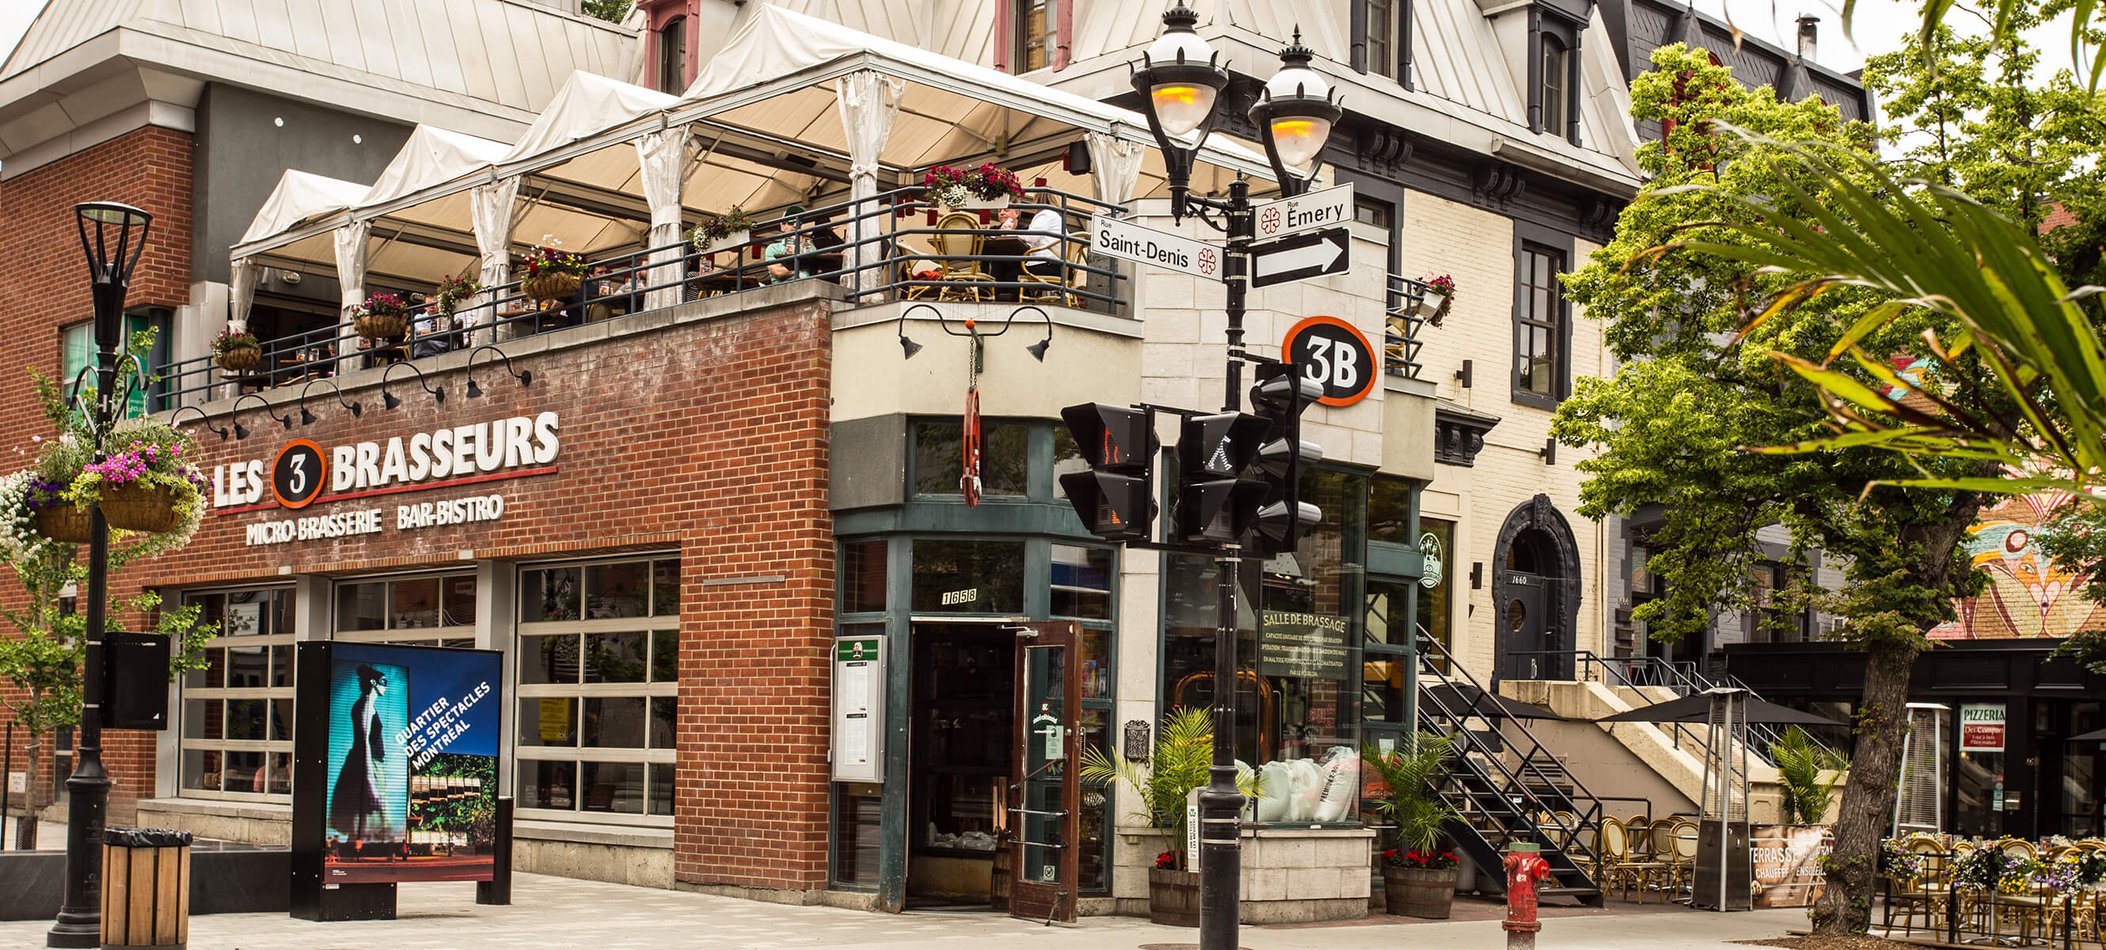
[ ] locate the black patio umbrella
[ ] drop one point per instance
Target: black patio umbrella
(1697, 708)
(1459, 697)
(2096, 735)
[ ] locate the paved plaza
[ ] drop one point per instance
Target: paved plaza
(552, 913)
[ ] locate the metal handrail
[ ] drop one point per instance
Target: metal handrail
(1587, 816)
(1680, 676)
(625, 282)
(1402, 324)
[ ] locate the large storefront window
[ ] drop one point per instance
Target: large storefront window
(1082, 590)
(939, 458)
(956, 576)
(598, 659)
(236, 739)
(1298, 715)
(415, 611)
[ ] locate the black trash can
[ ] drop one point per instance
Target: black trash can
(145, 888)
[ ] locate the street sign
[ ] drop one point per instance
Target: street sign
(1124, 239)
(1315, 254)
(1328, 208)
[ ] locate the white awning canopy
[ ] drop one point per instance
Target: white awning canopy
(301, 197)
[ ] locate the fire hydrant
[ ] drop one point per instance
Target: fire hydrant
(1524, 867)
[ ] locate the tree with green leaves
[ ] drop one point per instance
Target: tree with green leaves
(612, 11)
(1696, 316)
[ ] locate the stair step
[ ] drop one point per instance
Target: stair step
(1567, 891)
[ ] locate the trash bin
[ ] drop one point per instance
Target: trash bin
(145, 888)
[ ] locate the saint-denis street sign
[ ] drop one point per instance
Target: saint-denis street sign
(1303, 256)
(1328, 208)
(1124, 239)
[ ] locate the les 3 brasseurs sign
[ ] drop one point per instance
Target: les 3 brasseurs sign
(304, 473)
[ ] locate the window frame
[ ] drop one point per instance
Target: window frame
(1555, 27)
(1022, 42)
(150, 398)
(188, 692)
(672, 62)
(1557, 326)
(1391, 20)
(650, 623)
(433, 636)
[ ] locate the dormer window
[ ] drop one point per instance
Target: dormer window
(1554, 93)
(1036, 34)
(1554, 28)
(672, 56)
(1385, 27)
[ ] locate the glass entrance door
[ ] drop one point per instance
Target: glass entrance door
(1044, 821)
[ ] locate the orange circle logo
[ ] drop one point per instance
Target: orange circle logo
(298, 474)
(1333, 353)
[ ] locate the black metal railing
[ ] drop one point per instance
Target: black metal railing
(1404, 318)
(1680, 676)
(907, 250)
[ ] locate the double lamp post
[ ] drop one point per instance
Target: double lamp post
(1181, 81)
(111, 235)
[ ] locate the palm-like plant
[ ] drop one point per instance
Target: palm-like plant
(1412, 771)
(1801, 765)
(1184, 748)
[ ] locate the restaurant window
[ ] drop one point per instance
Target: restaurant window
(939, 458)
(1036, 27)
(1539, 326)
(863, 576)
(435, 610)
(1298, 711)
(672, 56)
(957, 576)
(77, 353)
(599, 677)
(236, 738)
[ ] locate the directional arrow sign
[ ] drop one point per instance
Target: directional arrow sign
(1124, 239)
(1303, 256)
(1328, 208)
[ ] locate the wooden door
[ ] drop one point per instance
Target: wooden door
(1044, 820)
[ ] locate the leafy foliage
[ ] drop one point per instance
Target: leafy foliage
(1184, 748)
(1412, 772)
(1807, 773)
(612, 11)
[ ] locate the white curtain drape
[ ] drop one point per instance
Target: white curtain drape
(490, 208)
(241, 291)
(350, 275)
(869, 103)
(661, 157)
(1115, 167)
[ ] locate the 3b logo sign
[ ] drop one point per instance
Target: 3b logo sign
(1333, 353)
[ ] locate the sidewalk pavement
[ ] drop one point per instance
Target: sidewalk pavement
(553, 913)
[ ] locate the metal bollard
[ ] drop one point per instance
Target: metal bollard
(1524, 867)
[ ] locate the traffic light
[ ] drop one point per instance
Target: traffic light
(1113, 498)
(1216, 497)
(1279, 398)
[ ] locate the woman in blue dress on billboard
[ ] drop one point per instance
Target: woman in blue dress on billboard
(354, 804)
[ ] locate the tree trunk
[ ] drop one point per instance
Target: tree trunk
(1868, 801)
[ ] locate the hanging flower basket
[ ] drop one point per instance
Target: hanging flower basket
(380, 326)
(240, 359)
(973, 189)
(136, 507)
(64, 523)
(551, 285)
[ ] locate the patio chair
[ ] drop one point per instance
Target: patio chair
(1928, 895)
(1070, 278)
(1681, 855)
(958, 242)
(1618, 867)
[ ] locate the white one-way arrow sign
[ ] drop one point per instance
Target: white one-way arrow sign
(1302, 256)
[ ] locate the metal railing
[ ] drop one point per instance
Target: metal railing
(1403, 320)
(908, 250)
(1680, 676)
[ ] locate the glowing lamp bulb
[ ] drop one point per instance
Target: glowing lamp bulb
(1299, 138)
(1182, 107)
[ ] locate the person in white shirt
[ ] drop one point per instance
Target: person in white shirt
(1043, 236)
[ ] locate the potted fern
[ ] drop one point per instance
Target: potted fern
(1184, 748)
(1418, 874)
(1807, 775)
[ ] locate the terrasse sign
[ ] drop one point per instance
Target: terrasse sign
(303, 473)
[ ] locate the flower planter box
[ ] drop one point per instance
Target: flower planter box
(551, 286)
(135, 507)
(1419, 892)
(984, 204)
(381, 326)
(1430, 304)
(64, 523)
(735, 241)
(240, 359)
(1173, 897)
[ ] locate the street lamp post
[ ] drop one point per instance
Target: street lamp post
(1181, 80)
(111, 235)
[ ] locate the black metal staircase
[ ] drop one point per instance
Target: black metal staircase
(1507, 787)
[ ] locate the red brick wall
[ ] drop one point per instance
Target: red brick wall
(44, 286)
(709, 437)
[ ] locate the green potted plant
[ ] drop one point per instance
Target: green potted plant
(1418, 874)
(146, 482)
(1184, 748)
(732, 229)
(1807, 774)
(453, 291)
(237, 350)
(41, 494)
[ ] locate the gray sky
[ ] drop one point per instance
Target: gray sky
(14, 18)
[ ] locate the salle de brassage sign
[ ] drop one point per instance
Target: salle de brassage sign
(302, 473)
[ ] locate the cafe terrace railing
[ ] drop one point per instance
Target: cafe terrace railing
(897, 258)
(1404, 320)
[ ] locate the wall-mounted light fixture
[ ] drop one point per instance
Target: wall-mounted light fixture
(307, 418)
(525, 376)
(1549, 451)
(438, 393)
(202, 417)
(970, 329)
(1465, 374)
(241, 431)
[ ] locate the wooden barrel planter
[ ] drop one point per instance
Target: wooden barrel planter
(240, 359)
(136, 507)
(998, 880)
(1173, 897)
(1419, 892)
(63, 522)
(381, 326)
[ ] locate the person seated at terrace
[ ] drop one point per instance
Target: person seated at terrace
(784, 254)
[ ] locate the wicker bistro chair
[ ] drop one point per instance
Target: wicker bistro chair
(1927, 897)
(1061, 288)
(1682, 835)
(1618, 868)
(958, 241)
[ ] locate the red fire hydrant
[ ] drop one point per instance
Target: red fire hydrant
(1524, 867)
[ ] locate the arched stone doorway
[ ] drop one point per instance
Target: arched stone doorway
(1535, 593)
